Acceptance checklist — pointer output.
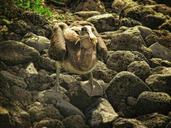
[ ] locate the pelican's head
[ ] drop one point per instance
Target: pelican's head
(88, 37)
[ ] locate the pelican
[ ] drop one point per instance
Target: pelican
(76, 48)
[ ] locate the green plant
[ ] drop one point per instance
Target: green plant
(34, 5)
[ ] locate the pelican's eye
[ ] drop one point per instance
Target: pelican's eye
(83, 29)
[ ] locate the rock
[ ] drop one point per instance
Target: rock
(79, 97)
(39, 82)
(146, 15)
(160, 82)
(87, 14)
(130, 39)
(154, 120)
(39, 112)
(139, 68)
(101, 113)
(125, 123)
(47, 64)
(168, 125)
(167, 2)
(38, 42)
(14, 52)
(20, 118)
(103, 73)
(154, 20)
(105, 22)
(149, 102)
(162, 8)
(164, 38)
(119, 60)
(166, 25)
(119, 5)
(5, 119)
(91, 5)
(12, 79)
(49, 123)
(66, 80)
(128, 22)
(154, 62)
(31, 70)
(122, 86)
(20, 27)
(21, 95)
(160, 51)
(161, 70)
(75, 121)
(67, 109)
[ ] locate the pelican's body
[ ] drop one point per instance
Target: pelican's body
(75, 48)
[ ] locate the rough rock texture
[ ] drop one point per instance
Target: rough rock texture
(127, 123)
(122, 86)
(154, 120)
(105, 22)
(101, 113)
(14, 52)
(139, 68)
(149, 102)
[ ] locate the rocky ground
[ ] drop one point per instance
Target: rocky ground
(136, 76)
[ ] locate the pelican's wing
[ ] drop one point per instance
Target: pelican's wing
(57, 47)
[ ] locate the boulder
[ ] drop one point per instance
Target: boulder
(132, 39)
(160, 82)
(125, 123)
(154, 120)
(12, 79)
(105, 22)
(5, 118)
(14, 52)
(87, 14)
(149, 102)
(102, 72)
(40, 111)
(140, 69)
(155, 62)
(49, 123)
(38, 42)
(91, 5)
(101, 113)
(75, 121)
(123, 86)
(160, 51)
(21, 95)
(119, 60)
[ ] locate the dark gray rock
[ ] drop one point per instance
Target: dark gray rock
(128, 123)
(75, 121)
(160, 51)
(149, 102)
(21, 95)
(139, 68)
(40, 111)
(87, 14)
(160, 82)
(38, 42)
(102, 72)
(123, 86)
(5, 118)
(154, 120)
(13, 52)
(105, 22)
(12, 79)
(49, 123)
(101, 113)
(119, 60)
